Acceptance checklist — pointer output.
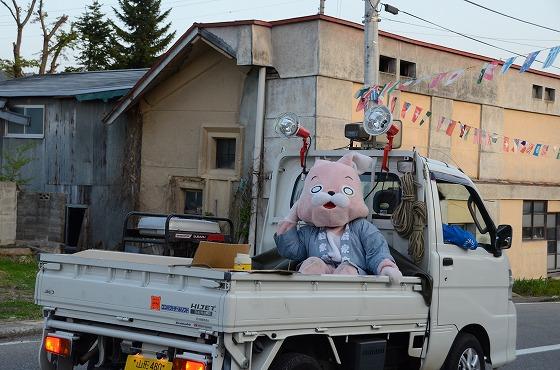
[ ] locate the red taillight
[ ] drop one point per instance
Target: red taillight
(58, 346)
(184, 364)
(219, 238)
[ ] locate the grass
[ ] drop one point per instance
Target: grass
(537, 287)
(17, 284)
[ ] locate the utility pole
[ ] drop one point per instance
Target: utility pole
(322, 7)
(371, 38)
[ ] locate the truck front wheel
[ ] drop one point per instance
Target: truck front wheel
(465, 354)
(295, 361)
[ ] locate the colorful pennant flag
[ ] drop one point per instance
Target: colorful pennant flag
(506, 144)
(481, 74)
(552, 54)
(405, 85)
(453, 76)
(436, 80)
(507, 64)
(466, 133)
(425, 118)
(476, 136)
(416, 113)
(361, 92)
(544, 150)
(529, 148)
(529, 60)
(440, 123)
(489, 71)
(451, 127)
(522, 146)
(404, 109)
(494, 138)
(393, 103)
(392, 87)
(537, 151)
(515, 146)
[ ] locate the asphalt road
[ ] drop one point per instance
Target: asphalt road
(538, 342)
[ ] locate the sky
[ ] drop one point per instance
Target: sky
(457, 15)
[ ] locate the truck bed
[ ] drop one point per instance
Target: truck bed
(166, 294)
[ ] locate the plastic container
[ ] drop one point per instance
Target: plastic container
(242, 262)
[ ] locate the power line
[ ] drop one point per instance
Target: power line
(395, 11)
(509, 41)
(512, 17)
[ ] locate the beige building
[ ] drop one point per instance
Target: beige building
(198, 112)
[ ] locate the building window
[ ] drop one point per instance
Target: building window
(193, 201)
(408, 69)
(225, 153)
(549, 94)
(36, 113)
(387, 64)
(537, 92)
(534, 215)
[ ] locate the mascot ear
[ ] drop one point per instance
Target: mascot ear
(361, 163)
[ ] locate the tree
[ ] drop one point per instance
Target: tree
(14, 163)
(62, 40)
(142, 38)
(94, 39)
(21, 18)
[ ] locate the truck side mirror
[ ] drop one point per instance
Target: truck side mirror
(503, 236)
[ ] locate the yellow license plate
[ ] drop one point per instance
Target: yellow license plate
(137, 362)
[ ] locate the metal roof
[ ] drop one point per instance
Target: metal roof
(71, 84)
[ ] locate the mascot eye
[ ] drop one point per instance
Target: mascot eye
(348, 191)
(316, 189)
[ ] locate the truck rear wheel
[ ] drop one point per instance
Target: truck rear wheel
(465, 354)
(295, 361)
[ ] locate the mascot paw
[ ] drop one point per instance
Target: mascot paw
(394, 274)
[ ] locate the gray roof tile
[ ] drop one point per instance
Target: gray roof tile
(70, 84)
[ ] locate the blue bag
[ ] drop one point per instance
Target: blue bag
(459, 237)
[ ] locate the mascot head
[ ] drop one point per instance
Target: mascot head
(332, 194)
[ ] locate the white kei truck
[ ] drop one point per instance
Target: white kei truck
(452, 310)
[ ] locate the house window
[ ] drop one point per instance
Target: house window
(549, 94)
(537, 92)
(225, 153)
(36, 113)
(193, 201)
(408, 69)
(387, 64)
(534, 215)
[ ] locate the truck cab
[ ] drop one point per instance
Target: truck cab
(453, 309)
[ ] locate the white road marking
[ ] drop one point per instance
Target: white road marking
(19, 342)
(526, 303)
(528, 351)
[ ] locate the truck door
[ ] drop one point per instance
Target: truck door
(473, 283)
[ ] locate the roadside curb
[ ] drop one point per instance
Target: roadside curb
(10, 329)
(521, 299)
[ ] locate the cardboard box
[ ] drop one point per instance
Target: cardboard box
(218, 255)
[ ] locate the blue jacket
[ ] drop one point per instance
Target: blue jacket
(362, 245)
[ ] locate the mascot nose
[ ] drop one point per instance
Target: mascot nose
(331, 193)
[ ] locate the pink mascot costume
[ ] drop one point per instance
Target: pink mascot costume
(337, 239)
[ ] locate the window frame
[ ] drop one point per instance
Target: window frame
(551, 93)
(24, 135)
(408, 65)
(391, 62)
(537, 92)
(217, 150)
(532, 214)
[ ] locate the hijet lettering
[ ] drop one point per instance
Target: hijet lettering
(202, 309)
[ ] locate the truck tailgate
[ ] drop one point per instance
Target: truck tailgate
(151, 292)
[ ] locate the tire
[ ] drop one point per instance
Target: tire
(466, 354)
(295, 361)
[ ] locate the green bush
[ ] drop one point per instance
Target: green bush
(537, 287)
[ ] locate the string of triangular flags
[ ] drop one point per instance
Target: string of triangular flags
(481, 137)
(487, 72)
